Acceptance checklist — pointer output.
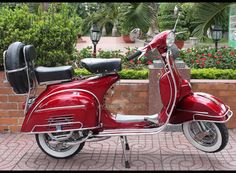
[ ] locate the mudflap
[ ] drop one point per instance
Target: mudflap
(62, 111)
(200, 106)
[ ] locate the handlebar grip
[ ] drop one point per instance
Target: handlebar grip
(134, 55)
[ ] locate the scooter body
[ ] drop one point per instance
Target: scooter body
(79, 105)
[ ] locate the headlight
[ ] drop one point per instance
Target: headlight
(170, 39)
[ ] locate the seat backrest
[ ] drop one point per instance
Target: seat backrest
(19, 67)
(30, 53)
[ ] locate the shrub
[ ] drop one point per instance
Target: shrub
(53, 33)
(15, 25)
(124, 74)
(207, 57)
(195, 73)
(213, 73)
(55, 36)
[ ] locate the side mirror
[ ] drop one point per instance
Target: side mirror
(177, 10)
(135, 33)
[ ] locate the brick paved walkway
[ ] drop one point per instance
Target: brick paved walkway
(167, 150)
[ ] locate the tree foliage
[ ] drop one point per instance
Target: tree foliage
(208, 14)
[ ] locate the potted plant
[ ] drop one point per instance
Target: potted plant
(180, 38)
(124, 29)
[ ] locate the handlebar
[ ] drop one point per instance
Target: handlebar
(136, 54)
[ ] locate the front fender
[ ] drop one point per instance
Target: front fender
(200, 106)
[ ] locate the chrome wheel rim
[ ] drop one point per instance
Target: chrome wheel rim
(57, 146)
(207, 137)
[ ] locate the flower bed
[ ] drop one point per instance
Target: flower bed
(223, 58)
(205, 63)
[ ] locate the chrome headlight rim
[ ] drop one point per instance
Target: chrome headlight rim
(170, 39)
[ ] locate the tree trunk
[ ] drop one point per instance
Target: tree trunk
(104, 31)
(153, 29)
(114, 31)
(45, 6)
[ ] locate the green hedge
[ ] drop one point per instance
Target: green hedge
(213, 73)
(195, 73)
(124, 74)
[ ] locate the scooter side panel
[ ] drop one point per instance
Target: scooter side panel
(200, 106)
(61, 111)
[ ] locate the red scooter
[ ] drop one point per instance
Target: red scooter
(72, 111)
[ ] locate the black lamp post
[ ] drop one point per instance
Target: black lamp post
(216, 34)
(95, 36)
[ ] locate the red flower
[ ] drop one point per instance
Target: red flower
(203, 59)
(203, 54)
(219, 53)
(215, 56)
(232, 53)
(146, 54)
(202, 65)
(139, 62)
(220, 56)
(159, 56)
(218, 62)
(209, 54)
(197, 61)
(149, 62)
(131, 61)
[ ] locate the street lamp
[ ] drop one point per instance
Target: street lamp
(95, 36)
(216, 34)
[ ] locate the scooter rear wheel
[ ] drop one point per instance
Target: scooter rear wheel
(59, 151)
(209, 137)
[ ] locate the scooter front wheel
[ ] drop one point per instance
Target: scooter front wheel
(209, 137)
(57, 149)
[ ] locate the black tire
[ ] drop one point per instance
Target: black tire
(222, 137)
(55, 154)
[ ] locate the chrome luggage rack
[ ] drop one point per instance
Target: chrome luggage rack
(32, 89)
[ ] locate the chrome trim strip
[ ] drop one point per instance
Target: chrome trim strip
(175, 87)
(99, 105)
(130, 132)
(57, 124)
(63, 107)
(4, 60)
(207, 96)
(166, 73)
(16, 70)
(87, 128)
(53, 82)
(184, 110)
(212, 116)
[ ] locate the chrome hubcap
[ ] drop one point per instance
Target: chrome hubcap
(204, 133)
(58, 141)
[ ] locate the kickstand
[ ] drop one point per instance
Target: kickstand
(126, 143)
(125, 146)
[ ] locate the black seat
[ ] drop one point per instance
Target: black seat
(100, 65)
(50, 75)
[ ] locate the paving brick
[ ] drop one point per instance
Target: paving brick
(163, 151)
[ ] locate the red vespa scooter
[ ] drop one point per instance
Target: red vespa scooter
(71, 110)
